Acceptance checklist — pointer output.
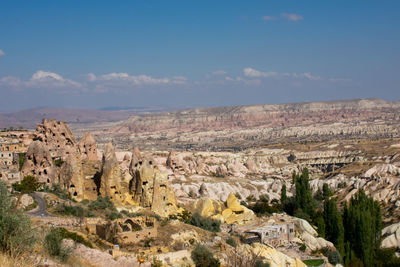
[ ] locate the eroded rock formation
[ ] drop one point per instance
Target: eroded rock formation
(149, 187)
(110, 185)
(39, 163)
(88, 148)
(57, 136)
(231, 212)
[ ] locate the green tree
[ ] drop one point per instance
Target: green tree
(334, 230)
(27, 185)
(16, 234)
(304, 199)
(362, 221)
(320, 223)
(318, 195)
(326, 191)
(283, 194)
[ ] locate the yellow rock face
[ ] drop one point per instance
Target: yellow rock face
(274, 257)
(218, 217)
(234, 204)
(226, 213)
(208, 208)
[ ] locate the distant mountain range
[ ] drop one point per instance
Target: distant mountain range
(29, 118)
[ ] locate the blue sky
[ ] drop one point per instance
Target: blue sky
(196, 53)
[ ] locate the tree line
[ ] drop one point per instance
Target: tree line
(355, 230)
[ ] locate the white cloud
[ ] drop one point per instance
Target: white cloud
(292, 16)
(10, 81)
(250, 72)
(179, 79)
(219, 72)
(41, 80)
(91, 77)
(2, 53)
(268, 18)
(253, 73)
(50, 79)
(306, 75)
(44, 75)
(131, 79)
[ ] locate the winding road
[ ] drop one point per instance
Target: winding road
(40, 210)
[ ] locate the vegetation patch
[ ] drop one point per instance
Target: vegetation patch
(57, 190)
(16, 233)
(205, 223)
(64, 233)
(203, 257)
(314, 262)
(27, 185)
(53, 245)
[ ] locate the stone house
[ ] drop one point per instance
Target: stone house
(128, 231)
(274, 235)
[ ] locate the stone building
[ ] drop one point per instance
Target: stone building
(274, 235)
(128, 231)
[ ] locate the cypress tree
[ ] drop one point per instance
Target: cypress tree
(363, 225)
(334, 230)
(283, 194)
(304, 199)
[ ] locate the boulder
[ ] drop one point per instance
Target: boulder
(233, 204)
(207, 207)
(270, 255)
(391, 236)
(25, 201)
(315, 243)
(244, 217)
(303, 226)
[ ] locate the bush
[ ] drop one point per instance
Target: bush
(57, 190)
(75, 211)
(205, 223)
(58, 162)
(303, 248)
(230, 241)
(185, 216)
(386, 257)
(64, 233)
(102, 203)
(27, 185)
(260, 263)
(16, 234)
(334, 257)
(113, 215)
(53, 245)
(85, 202)
(202, 257)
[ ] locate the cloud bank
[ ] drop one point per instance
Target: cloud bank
(292, 16)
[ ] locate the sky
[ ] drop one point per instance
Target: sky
(95, 54)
